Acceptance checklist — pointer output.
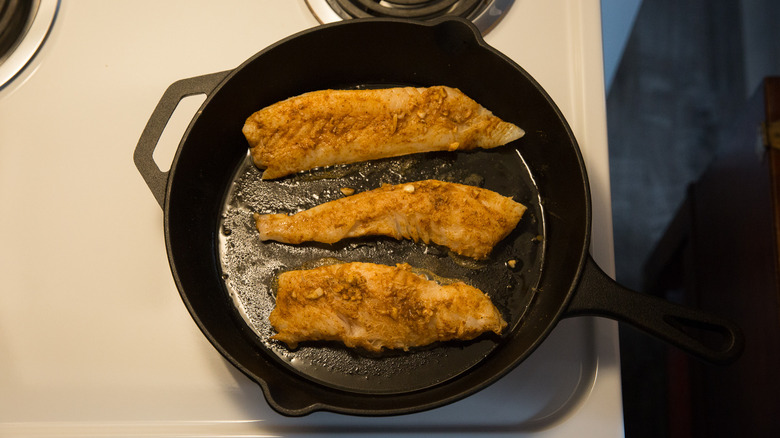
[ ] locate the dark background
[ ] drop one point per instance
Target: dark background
(686, 72)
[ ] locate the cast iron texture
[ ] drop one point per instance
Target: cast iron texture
(345, 55)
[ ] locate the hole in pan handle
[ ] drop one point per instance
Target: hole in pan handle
(155, 178)
(702, 334)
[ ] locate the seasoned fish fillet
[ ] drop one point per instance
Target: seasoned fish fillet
(328, 127)
(375, 306)
(468, 220)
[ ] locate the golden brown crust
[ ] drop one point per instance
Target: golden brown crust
(468, 220)
(327, 127)
(374, 306)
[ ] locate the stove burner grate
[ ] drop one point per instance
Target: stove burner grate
(483, 13)
(14, 15)
(413, 9)
(24, 25)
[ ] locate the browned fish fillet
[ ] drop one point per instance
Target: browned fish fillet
(375, 306)
(468, 220)
(328, 127)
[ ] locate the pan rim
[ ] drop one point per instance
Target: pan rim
(583, 253)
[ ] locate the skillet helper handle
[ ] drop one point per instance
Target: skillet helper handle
(706, 336)
(156, 179)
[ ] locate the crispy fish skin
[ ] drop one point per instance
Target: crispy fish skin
(327, 127)
(468, 220)
(373, 306)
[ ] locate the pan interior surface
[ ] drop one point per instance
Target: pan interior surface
(510, 275)
(225, 274)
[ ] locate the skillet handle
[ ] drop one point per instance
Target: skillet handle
(706, 336)
(156, 179)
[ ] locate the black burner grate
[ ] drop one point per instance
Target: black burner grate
(410, 9)
(14, 15)
(485, 14)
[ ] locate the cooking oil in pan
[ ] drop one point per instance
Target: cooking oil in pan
(251, 266)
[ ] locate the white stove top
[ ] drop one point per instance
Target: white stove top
(94, 339)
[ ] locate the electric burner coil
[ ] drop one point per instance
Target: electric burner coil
(485, 14)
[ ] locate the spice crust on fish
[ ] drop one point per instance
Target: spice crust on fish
(328, 127)
(373, 306)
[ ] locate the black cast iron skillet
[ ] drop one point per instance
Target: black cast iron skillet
(541, 273)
